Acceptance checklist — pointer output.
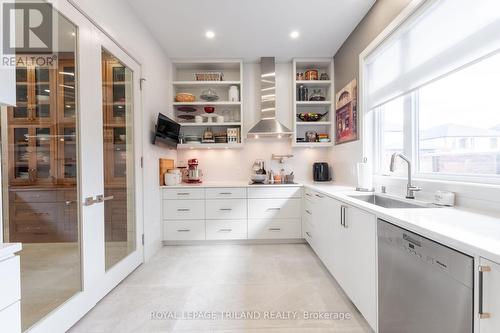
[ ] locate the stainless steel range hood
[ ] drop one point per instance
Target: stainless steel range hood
(268, 125)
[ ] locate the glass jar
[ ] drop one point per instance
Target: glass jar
(317, 95)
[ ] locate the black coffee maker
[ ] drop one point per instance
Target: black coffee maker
(321, 172)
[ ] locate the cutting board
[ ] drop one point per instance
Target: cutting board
(165, 164)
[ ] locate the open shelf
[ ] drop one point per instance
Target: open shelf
(205, 83)
(322, 65)
(210, 124)
(314, 82)
(210, 146)
(225, 103)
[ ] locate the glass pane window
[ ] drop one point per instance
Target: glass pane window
(391, 118)
(459, 122)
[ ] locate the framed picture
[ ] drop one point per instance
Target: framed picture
(346, 114)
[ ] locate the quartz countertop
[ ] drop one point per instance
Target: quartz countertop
(8, 249)
(470, 232)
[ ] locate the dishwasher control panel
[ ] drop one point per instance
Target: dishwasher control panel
(420, 248)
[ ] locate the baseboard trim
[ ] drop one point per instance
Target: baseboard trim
(236, 242)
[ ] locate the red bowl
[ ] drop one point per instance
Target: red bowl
(209, 109)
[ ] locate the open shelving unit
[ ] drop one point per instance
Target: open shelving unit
(324, 125)
(184, 81)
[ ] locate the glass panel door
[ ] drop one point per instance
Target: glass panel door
(40, 189)
(119, 184)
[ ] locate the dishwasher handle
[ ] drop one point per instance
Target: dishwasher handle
(482, 270)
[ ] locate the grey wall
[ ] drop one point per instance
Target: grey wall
(346, 59)
(344, 157)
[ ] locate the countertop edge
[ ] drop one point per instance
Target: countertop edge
(9, 249)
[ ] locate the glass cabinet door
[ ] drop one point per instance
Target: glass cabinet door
(43, 93)
(22, 109)
(19, 151)
(43, 171)
(66, 90)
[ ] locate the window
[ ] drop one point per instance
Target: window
(434, 96)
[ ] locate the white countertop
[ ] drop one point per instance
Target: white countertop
(470, 232)
(8, 249)
(241, 183)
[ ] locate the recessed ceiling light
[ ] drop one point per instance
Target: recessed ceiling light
(210, 34)
(294, 34)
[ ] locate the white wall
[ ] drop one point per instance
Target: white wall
(119, 21)
(236, 164)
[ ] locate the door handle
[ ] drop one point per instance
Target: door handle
(102, 198)
(342, 216)
(226, 209)
(482, 269)
(89, 201)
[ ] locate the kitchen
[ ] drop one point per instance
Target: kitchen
(247, 174)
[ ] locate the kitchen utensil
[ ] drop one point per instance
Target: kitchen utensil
(311, 74)
(209, 109)
(209, 95)
(258, 178)
(234, 94)
(186, 109)
(317, 95)
(209, 76)
(311, 136)
(184, 97)
(186, 116)
(194, 174)
(311, 116)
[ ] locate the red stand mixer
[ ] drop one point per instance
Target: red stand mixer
(194, 174)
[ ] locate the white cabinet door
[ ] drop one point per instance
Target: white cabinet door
(358, 260)
(226, 209)
(491, 297)
(326, 216)
(274, 208)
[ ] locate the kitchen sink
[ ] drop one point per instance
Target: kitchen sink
(390, 202)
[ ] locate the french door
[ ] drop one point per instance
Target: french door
(72, 177)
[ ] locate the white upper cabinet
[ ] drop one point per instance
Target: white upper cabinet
(7, 75)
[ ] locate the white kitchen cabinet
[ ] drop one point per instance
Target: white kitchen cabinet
(489, 322)
(353, 263)
(274, 208)
(226, 209)
(226, 229)
(183, 193)
(226, 193)
(278, 191)
(183, 209)
(274, 228)
(184, 230)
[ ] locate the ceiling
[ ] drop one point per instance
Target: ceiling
(252, 28)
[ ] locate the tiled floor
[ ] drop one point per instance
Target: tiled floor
(258, 280)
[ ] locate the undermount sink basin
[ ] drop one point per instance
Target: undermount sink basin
(389, 202)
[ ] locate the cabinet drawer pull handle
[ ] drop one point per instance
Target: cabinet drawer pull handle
(274, 208)
(182, 193)
(308, 234)
(183, 210)
(225, 193)
(225, 230)
(183, 230)
(482, 270)
(308, 212)
(226, 209)
(342, 216)
(69, 202)
(274, 229)
(309, 194)
(319, 196)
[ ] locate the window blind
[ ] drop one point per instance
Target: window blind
(440, 37)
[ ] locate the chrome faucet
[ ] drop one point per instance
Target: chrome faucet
(410, 188)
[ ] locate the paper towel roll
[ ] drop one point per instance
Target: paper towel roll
(365, 179)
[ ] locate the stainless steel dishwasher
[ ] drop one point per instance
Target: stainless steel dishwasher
(423, 286)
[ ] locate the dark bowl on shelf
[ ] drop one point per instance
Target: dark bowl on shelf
(311, 116)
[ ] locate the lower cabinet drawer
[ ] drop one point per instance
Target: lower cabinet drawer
(274, 208)
(10, 318)
(226, 229)
(184, 230)
(10, 287)
(307, 231)
(226, 209)
(183, 209)
(274, 229)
